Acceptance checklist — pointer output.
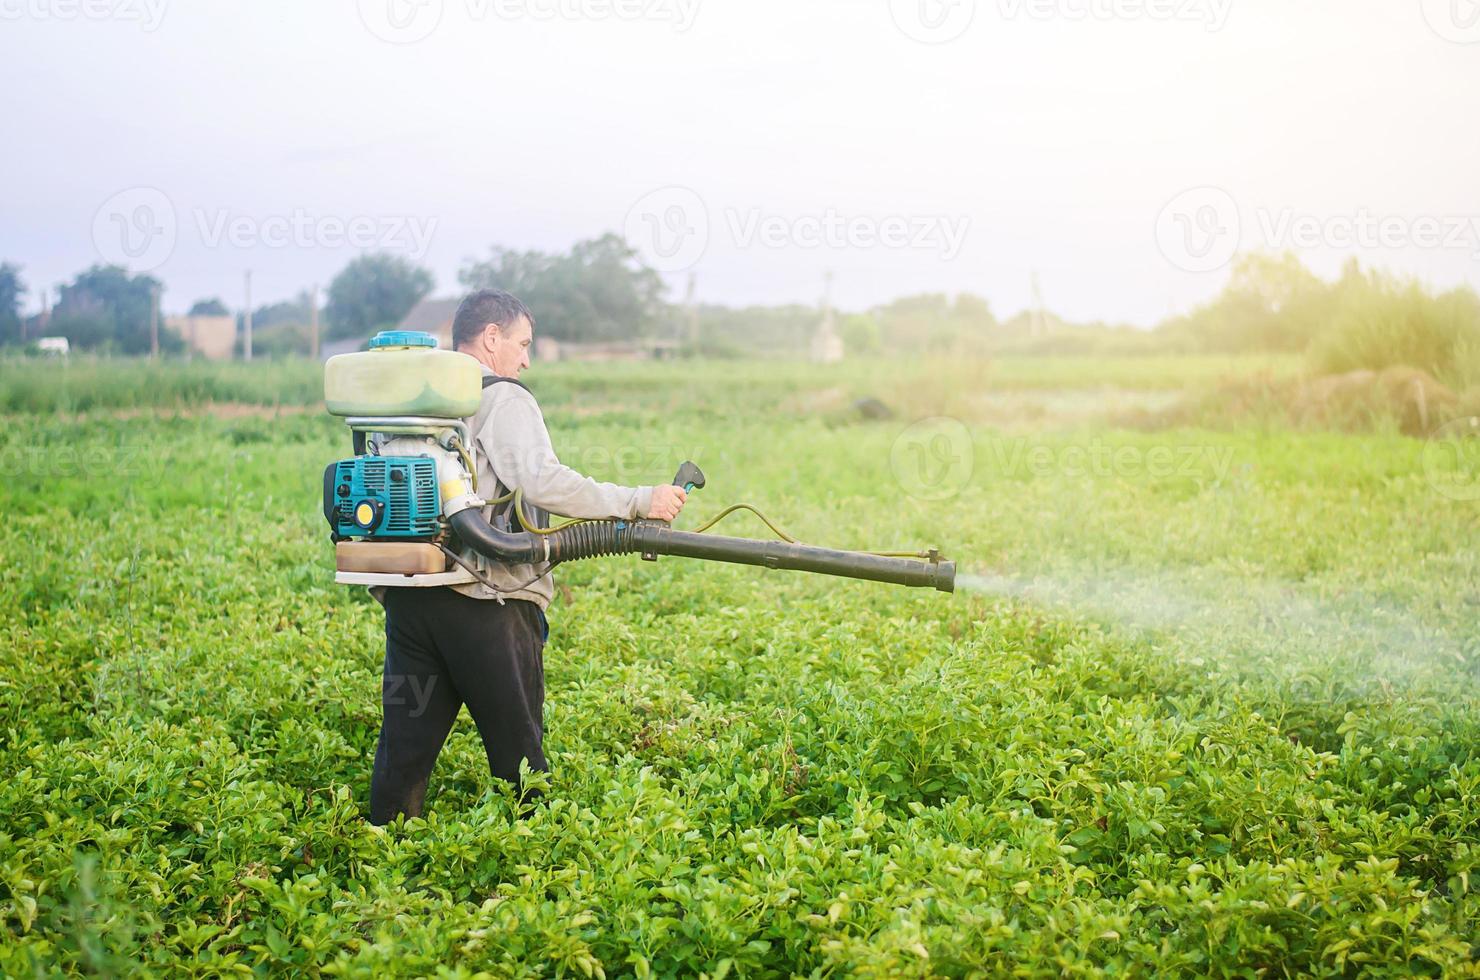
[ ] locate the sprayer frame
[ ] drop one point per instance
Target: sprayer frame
(410, 425)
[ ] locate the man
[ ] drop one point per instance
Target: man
(470, 644)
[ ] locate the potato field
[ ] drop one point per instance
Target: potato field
(1204, 701)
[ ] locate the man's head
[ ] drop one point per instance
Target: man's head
(496, 328)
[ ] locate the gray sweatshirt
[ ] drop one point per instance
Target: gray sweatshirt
(513, 448)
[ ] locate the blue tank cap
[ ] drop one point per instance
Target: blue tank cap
(402, 338)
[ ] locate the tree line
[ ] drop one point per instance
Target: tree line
(599, 290)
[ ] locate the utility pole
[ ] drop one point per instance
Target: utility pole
(1040, 318)
(313, 320)
(154, 321)
(691, 301)
(247, 322)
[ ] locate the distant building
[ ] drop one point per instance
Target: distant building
(211, 337)
(433, 316)
(331, 348)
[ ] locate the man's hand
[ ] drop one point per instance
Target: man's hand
(668, 500)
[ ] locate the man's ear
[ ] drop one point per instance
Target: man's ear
(490, 336)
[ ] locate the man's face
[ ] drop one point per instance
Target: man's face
(506, 349)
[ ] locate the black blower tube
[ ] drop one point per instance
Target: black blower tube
(595, 539)
(521, 548)
(663, 540)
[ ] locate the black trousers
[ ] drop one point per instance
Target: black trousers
(444, 650)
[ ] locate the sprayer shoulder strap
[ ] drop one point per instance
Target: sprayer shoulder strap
(541, 518)
(489, 380)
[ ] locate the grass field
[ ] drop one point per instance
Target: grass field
(1205, 702)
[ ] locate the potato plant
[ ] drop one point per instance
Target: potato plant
(1219, 720)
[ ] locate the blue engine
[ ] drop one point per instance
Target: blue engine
(383, 497)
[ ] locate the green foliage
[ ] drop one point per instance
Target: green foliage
(861, 334)
(209, 307)
(88, 384)
(755, 331)
(374, 292)
(11, 291)
(106, 309)
(598, 291)
(1271, 303)
(1365, 319)
(1381, 321)
(282, 340)
(936, 323)
(1217, 721)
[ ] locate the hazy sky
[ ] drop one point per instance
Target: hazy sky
(1119, 148)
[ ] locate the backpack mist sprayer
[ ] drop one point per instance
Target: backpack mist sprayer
(404, 509)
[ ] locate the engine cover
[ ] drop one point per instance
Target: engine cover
(383, 498)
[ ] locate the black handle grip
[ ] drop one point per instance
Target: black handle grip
(689, 476)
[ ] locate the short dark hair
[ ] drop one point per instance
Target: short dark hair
(483, 307)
